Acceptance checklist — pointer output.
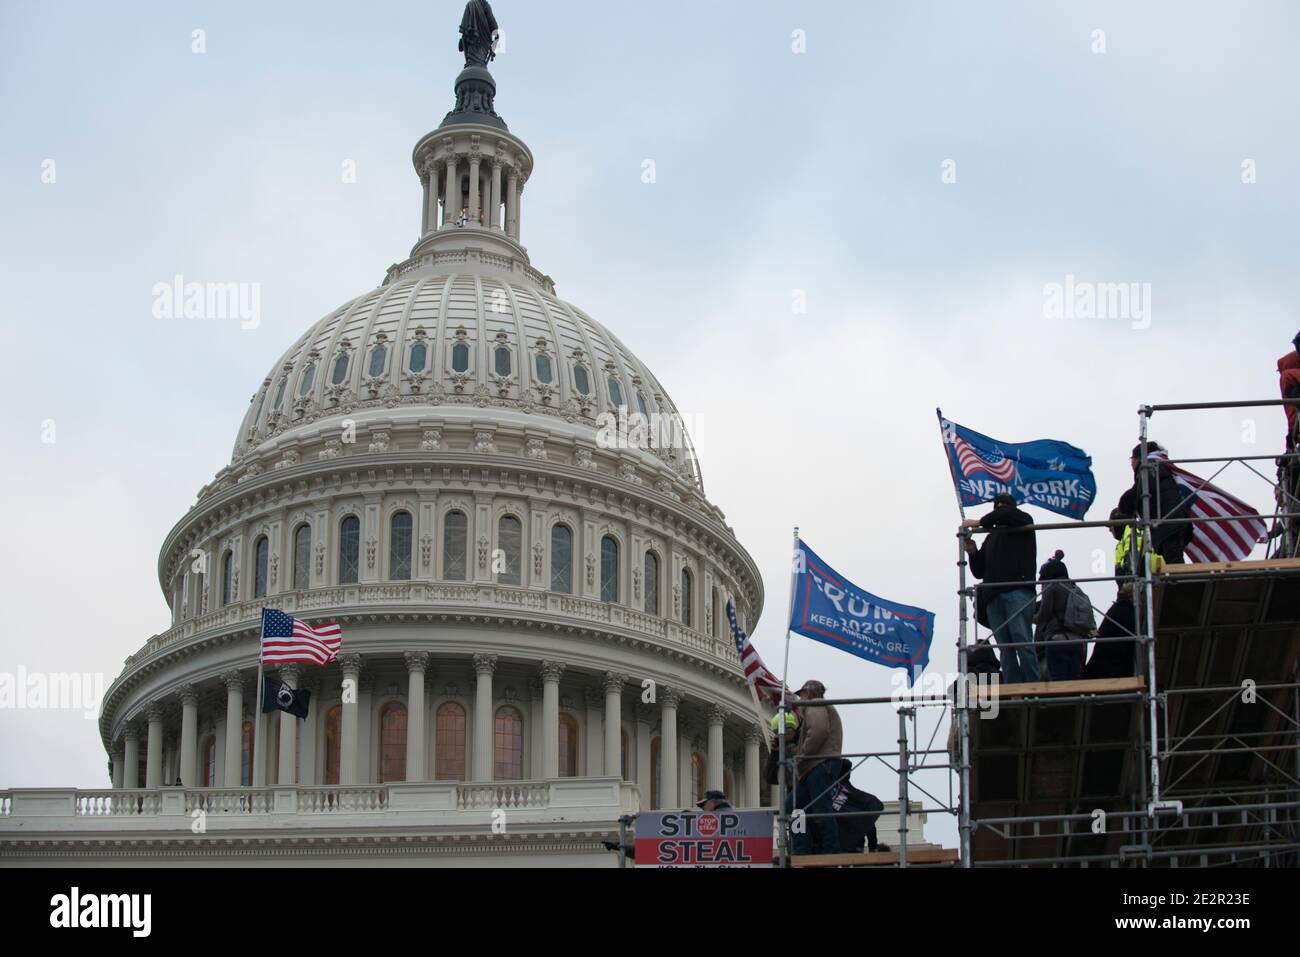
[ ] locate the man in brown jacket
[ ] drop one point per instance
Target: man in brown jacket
(820, 734)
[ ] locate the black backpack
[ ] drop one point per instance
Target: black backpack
(853, 830)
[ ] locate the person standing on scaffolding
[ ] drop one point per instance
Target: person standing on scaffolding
(1288, 471)
(1008, 559)
(1168, 501)
(817, 764)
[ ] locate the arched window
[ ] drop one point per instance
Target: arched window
(568, 746)
(509, 744)
(208, 765)
(302, 557)
(697, 777)
(688, 596)
(227, 566)
(615, 393)
(640, 404)
(455, 535)
(340, 369)
(460, 357)
(419, 358)
(261, 554)
(245, 754)
(378, 359)
(449, 733)
(655, 766)
(581, 379)
(651, 583)
(399, 547)
(561, 559)
(501, 356)
(608, 569)
(308, 377)
(544, 373)
(510, 539)
(279, 393)
(392, 743)
(349, 550)
(333, 743)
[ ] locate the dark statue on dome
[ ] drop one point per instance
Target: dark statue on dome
(478, 31)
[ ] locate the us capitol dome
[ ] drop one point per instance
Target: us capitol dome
(534, 625)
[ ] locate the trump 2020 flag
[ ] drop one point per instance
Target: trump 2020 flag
(831, 609)
(1052, 475)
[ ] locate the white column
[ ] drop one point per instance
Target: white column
(451, 201)
(153, 769)
(426, 179)
(118, 767)
(307, 774)
(494, 207)
(288, 774)
(512, 205)
(431, 198)
(614, 723)
(713, 776)
(595, 749)
(669, 699)
(484, 736)
(234, 728)
(351, 665)
(473, 189)
(550, 672)
(131, 758)
(189, 736)
(644, 765)
(753, 783)
(417, 663)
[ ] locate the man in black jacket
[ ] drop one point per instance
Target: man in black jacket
(1168, 500)
(1008, 557)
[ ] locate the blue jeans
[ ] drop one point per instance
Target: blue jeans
(1011, 617)
(821, 834)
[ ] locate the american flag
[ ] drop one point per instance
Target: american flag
(1230, 541)
(995, 463)
(285, 638)
(765, 683)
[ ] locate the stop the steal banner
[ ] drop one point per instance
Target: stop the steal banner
(704, 839)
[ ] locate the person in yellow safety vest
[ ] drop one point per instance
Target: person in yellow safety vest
(1128, 537)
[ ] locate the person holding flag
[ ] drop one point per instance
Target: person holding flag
(1009, 559)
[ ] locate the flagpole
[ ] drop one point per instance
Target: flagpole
(956, 488)
(783, 831)
(258, 724)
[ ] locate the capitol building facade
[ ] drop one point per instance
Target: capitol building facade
(535, 638)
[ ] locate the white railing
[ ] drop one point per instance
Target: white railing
(503, 795)
(326, 800)
(118, 803)
(230, 801)
(485, 595)
(5, 801)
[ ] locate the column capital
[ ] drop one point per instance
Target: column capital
(614, 682)
(670, 697)
(485, 665)
(153, 712)
(595, 699)
(417, 662)
(645, 713)
(233, 680)
(753, 734)
(130, 733)
(716, 714)
(290, 674)
(351, 664)
(551, 670)
(118, 750)
(188, 694)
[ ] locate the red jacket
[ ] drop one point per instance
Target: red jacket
(1289, 367)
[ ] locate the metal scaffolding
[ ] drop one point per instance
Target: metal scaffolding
(1191, 759)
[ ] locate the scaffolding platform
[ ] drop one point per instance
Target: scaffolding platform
(918, 855)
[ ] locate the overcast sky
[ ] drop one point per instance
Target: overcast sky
(780, 177)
